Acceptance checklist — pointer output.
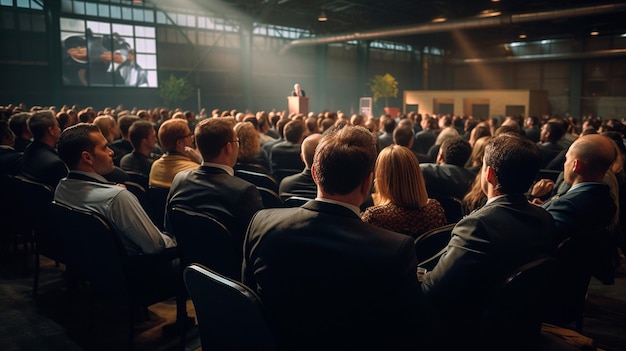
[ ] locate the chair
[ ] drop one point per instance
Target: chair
(431, 245)
(513, 318)
(156, 200)
(270, 198)
(296, 201)
(203, 239)
(230, 315)
(36, 199)
(138, 178)
(259, 179)
(139, 191)
(279, 174)
(452, 207)
(95, 253)
(13, 216)
(547, 174)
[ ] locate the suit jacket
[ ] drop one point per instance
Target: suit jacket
(10, 161)
(332, 282)
(423, 141)
(294, 93)
(212, 190)
(446, 180)
(384, 139)
(120, 148)
(485, 246)
(42, 163)
(548, 152)
(285, 155)
(300, 184)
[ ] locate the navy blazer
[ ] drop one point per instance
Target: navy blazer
(332, 282)
(447, 180)
(301, 184)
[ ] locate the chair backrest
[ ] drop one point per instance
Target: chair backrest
(203, 239)
(431, 245)
(36, 200)
(296, 201)
(230, 315)
(270, 198)
(279, 174)
(259, 179)
(452, 207)
(139, 191)
(138, 178)
(516, 309)
(157, 198)
(93, 251)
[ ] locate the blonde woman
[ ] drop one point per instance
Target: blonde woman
(401, 201)
(251, 157)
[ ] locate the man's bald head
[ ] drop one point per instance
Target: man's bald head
(596, 154)
(308, 148)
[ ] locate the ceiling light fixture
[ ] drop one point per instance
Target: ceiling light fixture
(522, 36)
(594, 32)
(322, 17)
(439, 19)
(489, 13)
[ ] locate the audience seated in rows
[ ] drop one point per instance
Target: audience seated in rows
(320, 252)
(302, 184)
(177, 141)
(212, 188)
(401, 201)
(10, 159)
(448, 177)
(84, 149)
(41, 161)
(489, 243)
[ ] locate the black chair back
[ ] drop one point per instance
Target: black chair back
(516, 309)
(157, 198)
(296, 201)
(452, 207)
(270, 198)
(281, 173)
(13, 215)
(259, 179)
(431, 245)
(230, 315)
(203, 239)
(138, 178)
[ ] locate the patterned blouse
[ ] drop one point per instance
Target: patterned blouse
(412, 222)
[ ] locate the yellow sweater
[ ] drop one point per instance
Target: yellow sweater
(165, 168)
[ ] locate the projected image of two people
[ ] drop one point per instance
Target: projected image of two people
(101, 60)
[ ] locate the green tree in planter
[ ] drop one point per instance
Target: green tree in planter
(384, 87)
(175, 90)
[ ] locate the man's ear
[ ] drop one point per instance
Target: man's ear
(86, 157)
(314, 174)
(440, 158)
(491, 176)
(577, 166)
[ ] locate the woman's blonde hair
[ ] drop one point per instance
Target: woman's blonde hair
(478, 151)
(108, 127)
(249, 144)
(399, 178)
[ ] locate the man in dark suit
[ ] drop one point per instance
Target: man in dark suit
(302, 184)
(329, 280)
(448, 177)
(10, 160)
(425, 138)
(285, 155)
(489, 243)
(41, 161)
(551, 133)
(19, 126)
(385, 138)
(212, 188)
(297, 91)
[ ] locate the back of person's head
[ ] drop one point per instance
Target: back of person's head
(478, 152)
(478, 132)
(596, 151)
(294, 131)
(357, 120)
(403, 135)
(446, 133)
(343, 159)
(508, 128)
(74, 140)
(311, 124)
(252, 120)
(280, 126)
(556, 129)
(7, 137)
(309, 144)
(212, 135)
(64, 119)
(138, 131)
(455, 151)
(39, 122)
(171, 131)
(107, 126)
(18, 122)
(249, 144)
(143, 114)
(389, 124)
(86, 115)
(125, 122)
(327, 123)
(399, 178)
(515, 161)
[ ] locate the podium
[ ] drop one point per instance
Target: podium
(298, 104)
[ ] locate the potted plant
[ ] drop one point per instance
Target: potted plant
(175, 90)
(385, 86)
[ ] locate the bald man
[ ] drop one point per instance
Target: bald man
(302, 184)
(584, 214)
